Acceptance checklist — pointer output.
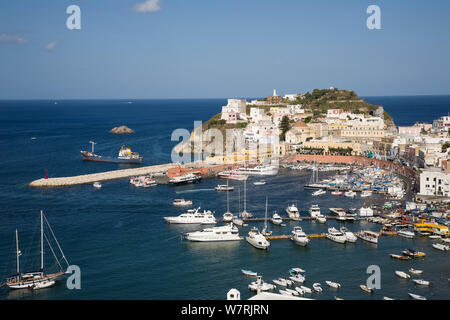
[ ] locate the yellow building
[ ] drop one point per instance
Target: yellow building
(330, 143)
(362, 132)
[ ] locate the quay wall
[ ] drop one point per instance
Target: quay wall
(354, 160)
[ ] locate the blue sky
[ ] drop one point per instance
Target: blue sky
(211, 48)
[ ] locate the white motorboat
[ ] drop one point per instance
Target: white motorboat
(264, 286)
(186, 178)
(406, 234)
(446, 240)
(421, 282)
(259, 183)
(223, 187)
(295, 271)
(402, 274)
(193, 217)
(182, 202)
(292, 212)
(368, 236)
(284, 292)
(233, 175)
(281, 282)
(97, 185)
(416, 296)
(299, 290)
(256, 239)
(261, 170)
(319, 192)
(336, 193)
(317, 287)
(441, 247)
(223, 233)
(333, 284)
(339, 212)
(249, 273)
(366, 289)
(321, 219)
(414, 271)
(349, 236)
(306, 289)
(238, 222)
(38, 279)
(227, 217)
(276, 219)
(314, 211)
(350, 194)
(387, 298)
(434, 236)
(366, 193)
(293, 292)
(336, 236)
(298, 278)
(299, 236)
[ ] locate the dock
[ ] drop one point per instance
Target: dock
(101, 176)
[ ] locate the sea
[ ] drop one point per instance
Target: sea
(118, 238)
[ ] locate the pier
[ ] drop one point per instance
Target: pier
(101, 176)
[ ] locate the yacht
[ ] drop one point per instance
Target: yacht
(256, 239)
(321, 218)
(349, 236)
(228, 232)
(292, 212)
(182, 202)
(350, 194)
(299, 236)
(233, 175)
(367, 235)
(186, 178)
(406, 234)
(261, 170)
(366, 193)
(193, 217)
(336, 236)
(319, 192)
(276, 219)
(339, 212)
(314, 211)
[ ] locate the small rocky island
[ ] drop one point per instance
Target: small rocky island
(121, 130)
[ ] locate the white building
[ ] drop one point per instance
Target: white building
(434, 181)
(290, 97)
(234, 111)
(256, 114)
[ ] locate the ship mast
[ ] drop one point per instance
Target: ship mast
(92, 143)
(245, 195)
(228, 191)
(42, 243)
(265, 220)
(17, 253)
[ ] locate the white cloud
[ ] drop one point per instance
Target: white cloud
(148, 6)
(11, 38)
(51, 45)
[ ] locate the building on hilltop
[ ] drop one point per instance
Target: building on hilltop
(234, 111)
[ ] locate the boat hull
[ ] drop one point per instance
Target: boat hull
(97, 158)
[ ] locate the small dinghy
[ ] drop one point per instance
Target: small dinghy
(249, 273)
(300, 290)
(387, 298)
(416, 296)
(441, 247)
(414, 271)
(399, 257)
(284, 292)
(333, 284)
(366, 289)
(413, 253)
(402, 274)
(97, 185)
(306, 289)
(336, 298)
(422, 282)
(263, 287)
(298, 278)
(293, 292)
(282, 282)
(317, 287)
(259, 183)
(295, 271)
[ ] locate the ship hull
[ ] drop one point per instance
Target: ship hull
(97, 158)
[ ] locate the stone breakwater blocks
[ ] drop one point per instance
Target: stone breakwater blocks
(102, 176)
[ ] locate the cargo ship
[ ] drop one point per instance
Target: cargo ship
(125, 156)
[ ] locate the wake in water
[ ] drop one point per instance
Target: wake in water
(191, 191)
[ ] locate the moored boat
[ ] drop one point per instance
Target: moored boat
(299, 236)
(368, 236)
(249, 273)
(336, 235)
(421, 282)
(366, 289)
(416, 296)
(256, 239)
(224, 233)
(402, 274)
(182, 202)
(333, 284)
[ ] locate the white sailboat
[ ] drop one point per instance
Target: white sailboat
(266, 231)
(37, 279)
(228, 216)
(244, 214)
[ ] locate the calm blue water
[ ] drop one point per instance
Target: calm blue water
(118, 237)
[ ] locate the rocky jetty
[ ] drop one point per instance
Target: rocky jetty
(121, 130)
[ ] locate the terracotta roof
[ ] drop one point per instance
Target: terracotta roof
(299, 124)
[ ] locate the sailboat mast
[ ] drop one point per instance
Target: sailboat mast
(17, 252)
(228, 191)
(265, 220)
(245, 195)
(42, 243)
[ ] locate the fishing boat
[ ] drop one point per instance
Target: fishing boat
(414, 271)
(259, 183)
(441, 247)
(366, 289)
(416, 296)
(336, 193)
(276, 219)
(299, 236)
(333, 284)
(125, 156)
(256, 239)
(317, 287)
(292, 212)
(402, 274)
(368, 236)
(319, 192)
(185, 179)
(421, 282)
(350, 194)
(406, 234)
(336, 236)
(228, 232)
(399, 257)
(182, 203)
(193, 217)
(249, 273)
(366, 193)
(38, 279)
(97, 185)
(349, 236)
